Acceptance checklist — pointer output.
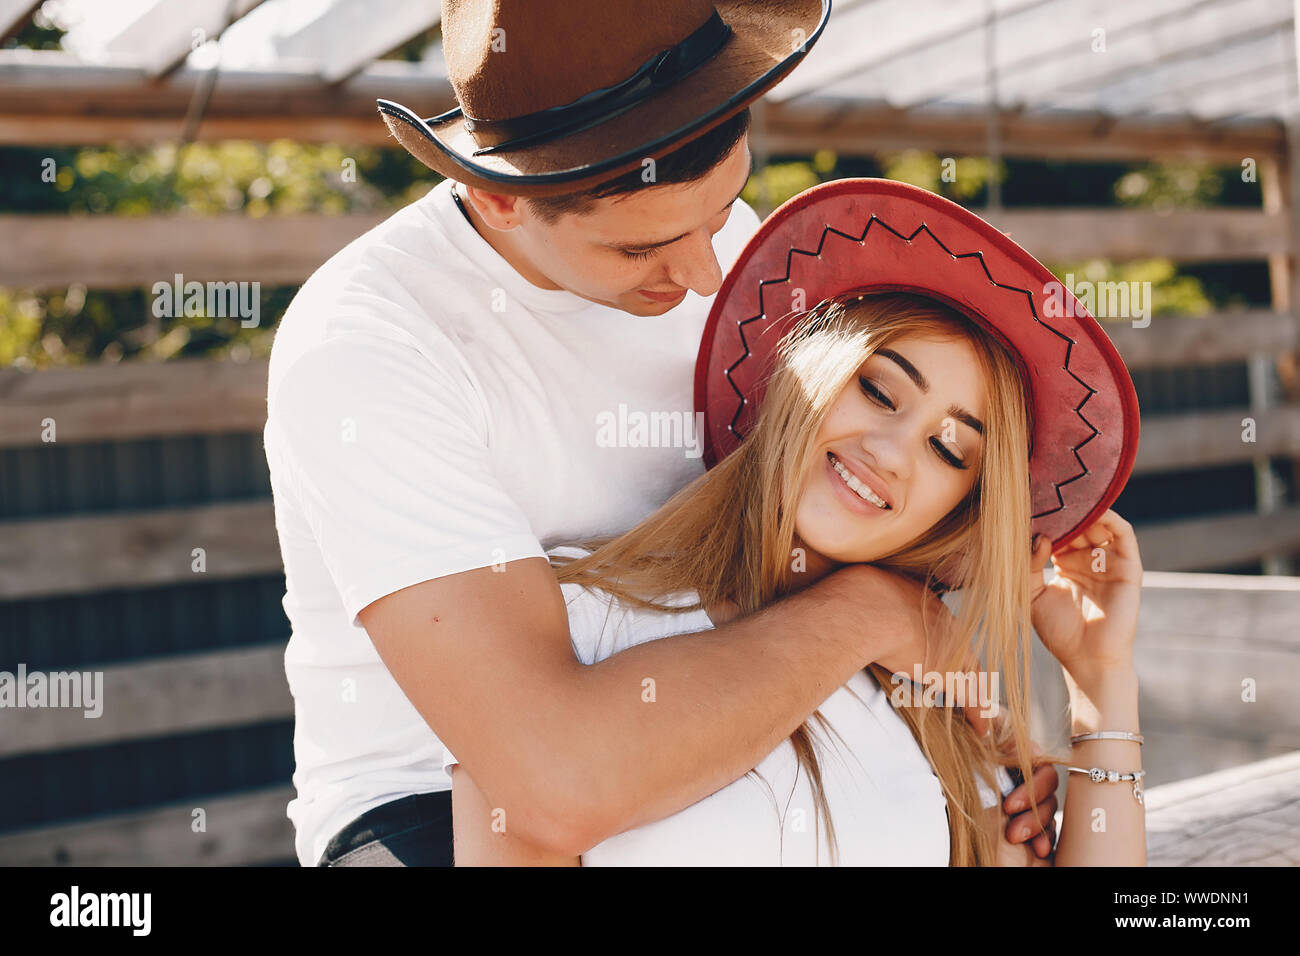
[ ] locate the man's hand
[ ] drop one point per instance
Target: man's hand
(925, 640)
(1007, 853)
(1024, 825)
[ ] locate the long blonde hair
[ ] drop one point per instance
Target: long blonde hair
(729, 535)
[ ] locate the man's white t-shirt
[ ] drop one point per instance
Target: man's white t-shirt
(886, 803)
(430, 411)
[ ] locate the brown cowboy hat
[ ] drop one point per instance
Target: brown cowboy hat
(559, 97)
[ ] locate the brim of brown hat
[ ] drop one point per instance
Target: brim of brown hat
(864, 236)
(757, 55)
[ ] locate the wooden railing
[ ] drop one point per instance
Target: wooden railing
(1197, 632)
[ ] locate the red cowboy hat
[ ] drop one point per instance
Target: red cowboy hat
(873, 235)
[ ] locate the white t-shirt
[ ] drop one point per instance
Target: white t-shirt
(430, 411)
(886, 803)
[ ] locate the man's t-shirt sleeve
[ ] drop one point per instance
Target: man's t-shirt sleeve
(386, 450)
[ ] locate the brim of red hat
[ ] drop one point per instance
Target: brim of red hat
(875, 235)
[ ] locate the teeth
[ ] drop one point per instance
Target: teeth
(852, 481)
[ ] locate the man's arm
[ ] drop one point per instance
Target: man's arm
(482, 833)
(573, 754)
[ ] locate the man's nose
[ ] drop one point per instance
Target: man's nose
(694, 264)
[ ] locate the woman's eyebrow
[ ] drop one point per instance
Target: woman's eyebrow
(912, 372)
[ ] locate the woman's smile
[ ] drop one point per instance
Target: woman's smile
(860, 499)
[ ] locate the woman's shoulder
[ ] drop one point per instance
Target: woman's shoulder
(601, 623)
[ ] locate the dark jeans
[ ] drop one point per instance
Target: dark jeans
(412, 831)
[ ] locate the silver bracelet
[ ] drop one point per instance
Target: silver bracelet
(1098, 775)
(1107, 735)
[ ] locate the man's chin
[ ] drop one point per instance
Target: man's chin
(637, 304)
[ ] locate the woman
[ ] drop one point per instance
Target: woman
(891, 429)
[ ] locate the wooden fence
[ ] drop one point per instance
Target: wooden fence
(1195, 627)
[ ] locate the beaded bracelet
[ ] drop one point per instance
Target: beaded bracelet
(1098, 775)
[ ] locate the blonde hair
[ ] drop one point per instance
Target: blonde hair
(729, 535)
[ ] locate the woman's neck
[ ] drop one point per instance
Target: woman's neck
(807, 567)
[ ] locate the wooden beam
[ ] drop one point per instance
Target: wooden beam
(348, 34)
(1218, 541)
(1194, 32)
(864, 129)
(1209, 439)
(107, 252)
(13, 13)
(241, 830)
(132, 400)
(138, 549)
(49, 98)
(1172, 340)
(1242, 816)
(121, 252)
(1201, 235)
(154, 698)
(1208, 632)
(163, 34)
(879, 39)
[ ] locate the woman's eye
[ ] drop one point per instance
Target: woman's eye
(638, 255)
(874, 393)
(948, 456)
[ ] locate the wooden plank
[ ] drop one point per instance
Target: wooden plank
(137, 549)
(1204, 640)
(852, 128)
(247, 828)
(49, 98)
(139, 399)
(1208, 235)
(132, 400)
(1188, 33)
(113, 252)
(1207, 439)
(1217, 541)
(154, 698)
(348, 34)
(13, 13)
(106, 252)
(1243, 816)
(1204, 340)
(861, 45)
(163, 34)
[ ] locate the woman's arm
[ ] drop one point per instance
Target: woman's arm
(1087, 618)
(1103, 823)
(482, 834)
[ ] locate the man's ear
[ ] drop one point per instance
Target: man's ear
(496, 209)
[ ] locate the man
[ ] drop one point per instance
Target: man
(433, 402)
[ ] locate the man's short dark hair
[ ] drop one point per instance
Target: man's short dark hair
(687, 164)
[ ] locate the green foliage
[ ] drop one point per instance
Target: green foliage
(1171, 292)
(960, 178)
(1174, 184)
(42, 328)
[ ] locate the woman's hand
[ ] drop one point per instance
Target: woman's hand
(1087, 616)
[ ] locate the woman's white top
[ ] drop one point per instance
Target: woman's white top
(886, 803)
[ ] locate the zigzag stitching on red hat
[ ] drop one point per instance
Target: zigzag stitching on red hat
(1078, 410)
